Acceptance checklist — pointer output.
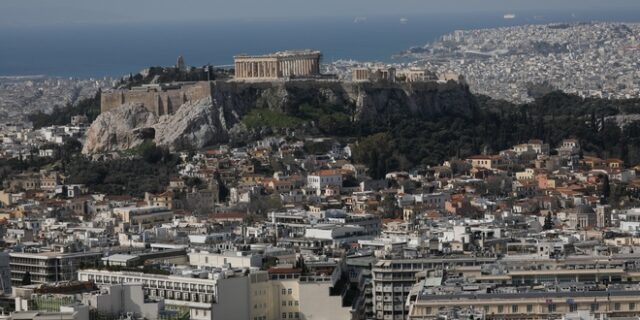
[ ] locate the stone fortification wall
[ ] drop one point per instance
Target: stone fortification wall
(157, 100)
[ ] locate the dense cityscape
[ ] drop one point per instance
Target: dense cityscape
(587, 59)
(494, 176)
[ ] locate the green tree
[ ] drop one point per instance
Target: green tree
(606, 190)
(390, 206)
(548, 222)
(26, 279)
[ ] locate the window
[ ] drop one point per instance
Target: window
(514, 308)
(290, 315)
(632, 306)
(500, 309)
(284, 291)
(296, 303)
(573, 307)
(616, 306)
(297, 314)
(290, 291)
(529, 308)
(595, 307)
(290, 303)
(284, 303)
(551, 307)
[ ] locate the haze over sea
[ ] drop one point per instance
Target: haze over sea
(97, 50)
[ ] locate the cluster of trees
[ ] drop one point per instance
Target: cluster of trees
(169, 74)
(400, 141)
(323, 118)
(494, 125)
(89, 107)
(131, 176)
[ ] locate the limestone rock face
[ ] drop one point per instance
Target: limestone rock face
(118, 130)
(216, 119)
(195, 124)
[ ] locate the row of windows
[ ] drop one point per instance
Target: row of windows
(152, 283)
(290, 303)
(287, 291)
(551, 308)
(259, 292)
(292, 315)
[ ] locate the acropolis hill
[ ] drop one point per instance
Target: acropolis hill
(200, 113)
(277, 71)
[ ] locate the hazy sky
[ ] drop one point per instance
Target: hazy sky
(45, 12)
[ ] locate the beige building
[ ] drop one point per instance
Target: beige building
(144, 216)
(285, 64)
(529, 305)
(486, 162)
(289, 295)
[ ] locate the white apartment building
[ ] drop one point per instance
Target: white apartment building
(236, 259)
(215, 297)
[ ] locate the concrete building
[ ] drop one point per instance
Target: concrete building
(48, 267)
(604, 304)
(216, 296)
(236, 259)
(324, 178)
(392, 280)
(120, 299)
(146, 217)
(286, 294)
(285, 64)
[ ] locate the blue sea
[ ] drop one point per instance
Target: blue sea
(97, 50)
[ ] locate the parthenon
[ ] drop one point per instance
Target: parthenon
(285, 64)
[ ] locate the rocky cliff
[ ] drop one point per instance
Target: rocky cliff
(209, 121)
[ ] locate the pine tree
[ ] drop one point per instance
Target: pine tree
(26, 279)
(548, 222)
(606, 190)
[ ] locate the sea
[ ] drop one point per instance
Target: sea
(113, 50)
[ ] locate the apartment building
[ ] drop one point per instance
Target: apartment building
(48, 267)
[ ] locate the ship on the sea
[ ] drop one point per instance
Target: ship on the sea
(509, 16)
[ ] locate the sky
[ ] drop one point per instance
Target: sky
(37, 13)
